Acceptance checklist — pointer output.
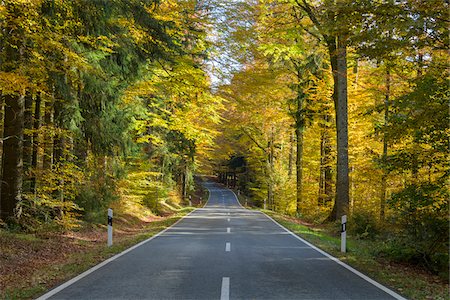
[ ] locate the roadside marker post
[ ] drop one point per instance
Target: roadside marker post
(110, 229)
(344, 233)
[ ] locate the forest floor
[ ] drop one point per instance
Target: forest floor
(409, 280)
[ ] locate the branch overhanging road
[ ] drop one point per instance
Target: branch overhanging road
(222, 251)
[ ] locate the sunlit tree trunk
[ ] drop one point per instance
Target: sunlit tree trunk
(270, 195)
(325, 179)
(299, 128)
(291, 155)
(342, 171)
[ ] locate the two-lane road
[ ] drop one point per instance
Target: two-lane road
(223, 251)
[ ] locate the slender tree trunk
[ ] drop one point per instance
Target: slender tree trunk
(291, 154)
(299, 169)
(342, 179)
(59, 140)
(27, 140)
(2, 107)
(270, 196)
(325, 179)
(299, 127)
(184, 182)
(12, 163)
(48, 138)
(36, 127)
(385, 144)
(416, 150)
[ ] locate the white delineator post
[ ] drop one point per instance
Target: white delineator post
(344, 234)
(110, 228)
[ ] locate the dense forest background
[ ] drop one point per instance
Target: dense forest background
(315, 109)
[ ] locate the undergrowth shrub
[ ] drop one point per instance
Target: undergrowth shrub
(363, 225)
(422, 217)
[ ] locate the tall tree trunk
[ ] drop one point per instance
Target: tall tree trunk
(291, 155)
(332, 51)
(299, 168)
(299, 127)
(416, 150)
(325, 179)
(59, 140)
(36, 127)
(12, 163)
(2, 108)
(270, 196)
(342, 178)
(337, 49)
(27, 140)
(385, 144)
(48, 138)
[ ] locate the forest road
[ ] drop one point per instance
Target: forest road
(222, 251)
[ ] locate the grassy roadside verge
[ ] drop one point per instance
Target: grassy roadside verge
(411, 282)
(67, 257)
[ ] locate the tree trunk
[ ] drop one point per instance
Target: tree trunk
(299, 127)
(59, 140)
(385, 144)
(299, 168)
(36, 127)
(27, 141)
(48, 138)
(337, 49)
(2, 105)
(325, 179)
(416, 150)
(12, 163)
(291, 155)
(342, 179)
(270, 196)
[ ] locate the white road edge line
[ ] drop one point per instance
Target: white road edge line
(95, 268)
(228, 247)
(237, 199)
(228, 230)
(336, 260)
(225, 291)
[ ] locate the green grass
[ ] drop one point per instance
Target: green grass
(411, 282)
(79, 262)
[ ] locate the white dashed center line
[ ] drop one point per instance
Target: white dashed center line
(228, 229)
(227, 247)
(225, 292)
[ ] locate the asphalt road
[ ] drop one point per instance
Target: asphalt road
(222, 251)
